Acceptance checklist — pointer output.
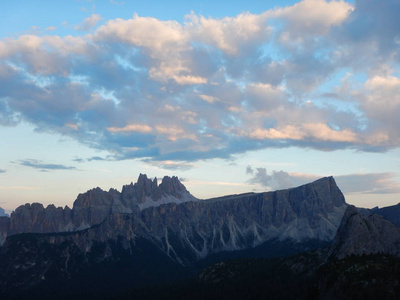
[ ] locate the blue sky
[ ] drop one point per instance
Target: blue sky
(250, 96)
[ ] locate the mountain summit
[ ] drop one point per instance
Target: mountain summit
(145, 192)
(94, 206)
(149, 230)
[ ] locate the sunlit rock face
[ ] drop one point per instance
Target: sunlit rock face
(364, 234)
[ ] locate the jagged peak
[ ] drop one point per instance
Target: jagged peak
(172, 183)
(144, 180)
(147, 192)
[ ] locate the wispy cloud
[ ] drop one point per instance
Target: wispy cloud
(93, 158)
(37, 164)
(89, 23)
(170, 164)
(212, 88)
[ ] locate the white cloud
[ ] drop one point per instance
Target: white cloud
(232, 35)
(312, 17)
(89, 22)
(171, 165)
(371, 183)
(313, 131)
(145, 87)
(190, 80)
(131, 128)
(367, 183)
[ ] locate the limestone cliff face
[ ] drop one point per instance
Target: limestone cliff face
(35, 218)
(146, 193)
(91, 208)
(186, 229)
(124, 233)
(359, 234)
(192, 230)
(94, 206)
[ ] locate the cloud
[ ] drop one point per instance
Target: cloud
(131, 128)
(2, 171)
(89, 23)
(36, 164)
(170, 165)
(97, 158)
(276, 180)
(78, 160)
(368, 183)
(93, 158)
(232, 35)
(372, 183)
(311, 17)
(317, 74)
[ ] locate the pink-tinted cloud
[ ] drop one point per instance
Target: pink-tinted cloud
(206, 88)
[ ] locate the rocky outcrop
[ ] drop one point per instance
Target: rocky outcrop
(94, 206)
(4, 228)
(360, 234)
(391, 213)
(35, 218)
(192, 230)
(177, 234)
(91, 208)
(146, 193)
(3, 213)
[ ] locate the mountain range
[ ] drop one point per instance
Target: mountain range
(112, 241)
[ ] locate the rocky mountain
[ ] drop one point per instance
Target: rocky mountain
(364, 234)
(364, 259)
(4, 228)
(391, 213)
(96, 205)
(3, 213)
(160, 229)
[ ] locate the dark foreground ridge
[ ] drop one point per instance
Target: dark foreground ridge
(118, 246)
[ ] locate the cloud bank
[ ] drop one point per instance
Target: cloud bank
(369, 183)
(318, 74)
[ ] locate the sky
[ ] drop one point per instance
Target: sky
(249, 96)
